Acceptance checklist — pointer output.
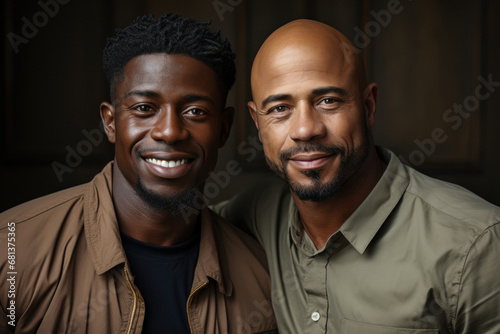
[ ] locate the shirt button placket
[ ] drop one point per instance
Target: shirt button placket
(315, 288)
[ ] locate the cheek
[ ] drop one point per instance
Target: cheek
(208, 138)
(349, 130)
(358, 129)
(273, 139)
(128, 130)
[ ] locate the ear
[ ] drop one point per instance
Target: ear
(370, 97)
(227, 123)
(252, 108)
(108, 120)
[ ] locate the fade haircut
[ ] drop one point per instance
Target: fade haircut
(171, 34)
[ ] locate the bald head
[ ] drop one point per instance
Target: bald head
(313, 110)
(303, 42)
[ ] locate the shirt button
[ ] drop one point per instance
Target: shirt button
(315, 316)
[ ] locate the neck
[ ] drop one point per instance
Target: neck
(321, 219)
(142, 222)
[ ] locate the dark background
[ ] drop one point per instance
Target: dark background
(427, 57)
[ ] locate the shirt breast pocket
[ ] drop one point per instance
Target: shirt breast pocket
(357, 327)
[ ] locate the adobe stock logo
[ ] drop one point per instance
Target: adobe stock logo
(453, 116)
(221, 179)
(380, 20)
(221, 6)
(29, 30)
(74, 156)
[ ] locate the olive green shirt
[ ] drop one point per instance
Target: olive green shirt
(418, 256)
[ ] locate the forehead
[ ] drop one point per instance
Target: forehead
(297, 70)
(169, 74)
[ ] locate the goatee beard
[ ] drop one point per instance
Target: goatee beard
(320, 190)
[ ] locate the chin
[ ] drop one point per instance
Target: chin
(174, 203)
(317, 192)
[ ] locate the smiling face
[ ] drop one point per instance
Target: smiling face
(312, 109)
(167, 123)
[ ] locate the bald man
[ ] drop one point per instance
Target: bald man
(357, 242)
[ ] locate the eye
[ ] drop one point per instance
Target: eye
(329, 103)
(328, 100)
(143, 108)
(196, 112)
(277, 109)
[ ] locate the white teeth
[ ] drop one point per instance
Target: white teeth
(167, 163)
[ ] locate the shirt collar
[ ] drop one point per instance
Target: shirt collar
(364, 223)
(360, 228)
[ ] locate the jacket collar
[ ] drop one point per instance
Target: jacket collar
(212, 261)
(101, 226)
(105, 246)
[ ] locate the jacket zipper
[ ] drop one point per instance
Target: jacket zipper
(188, 302)
(134, 306)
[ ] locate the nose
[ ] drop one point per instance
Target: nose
(169, 127)
(306, 123)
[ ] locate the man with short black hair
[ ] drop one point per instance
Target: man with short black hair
(117, 255)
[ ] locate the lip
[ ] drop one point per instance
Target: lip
(168, 165)
(311, 160)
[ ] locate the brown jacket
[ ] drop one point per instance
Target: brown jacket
(64, 270)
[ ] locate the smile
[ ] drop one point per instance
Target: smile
(310, 161)
(167, 163)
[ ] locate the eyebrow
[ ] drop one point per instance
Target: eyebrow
(196, 97)
(272, 98)
(186, 97)
(316, 91)
(329, 89)
(146, 93)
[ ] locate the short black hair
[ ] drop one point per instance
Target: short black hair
(171, 34)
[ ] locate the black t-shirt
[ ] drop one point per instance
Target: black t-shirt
(164, 276)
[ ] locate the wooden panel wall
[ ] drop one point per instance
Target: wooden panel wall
(428, 57)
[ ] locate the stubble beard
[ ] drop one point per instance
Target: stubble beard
(175, 204)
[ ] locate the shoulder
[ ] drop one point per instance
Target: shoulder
(44, 234)
(56, 204)
(63, 205)
(240, 255)
(435, 203)
(243, 263)
(445, 217)
(237, 243)
(451, 202)
(46, 227)
(257, 208)
(45, 224)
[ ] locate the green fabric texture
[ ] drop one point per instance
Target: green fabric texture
(419, 255)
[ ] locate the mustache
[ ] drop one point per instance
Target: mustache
(330, 150)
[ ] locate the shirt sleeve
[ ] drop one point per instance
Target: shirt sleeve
(478, 305)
